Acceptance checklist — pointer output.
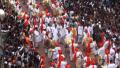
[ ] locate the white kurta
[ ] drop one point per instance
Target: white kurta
(93, 46)
(55, 34)
(56, 53)
(48, 19)
(112, 66)
(63, 64)
(106, 44)
(80, 30)
(90, 30)
(112, 53)
(49, 29)
(117, 58)
(101, 52)
(63, 32)
(37, 36)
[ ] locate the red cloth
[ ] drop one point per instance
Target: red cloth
(31, 46)
(56, 43)
(19, 17)
(107, 53)
(75, 54)
(88, 48)
(52, 63)
(38, 5)
(109, 44)
(73, 46)
(53, 1)
(60, 51)
(93, 63)
(35, 22)
(101, 42)
(46, 10)
(26, 23)
(68, 66)
(61, 58)
(88, 61)
(42, 25)
(64, 17)
(69, 28)
(17, 3)
(48, 14)
(40, 14)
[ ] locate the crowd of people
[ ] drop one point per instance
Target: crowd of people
(61, 34)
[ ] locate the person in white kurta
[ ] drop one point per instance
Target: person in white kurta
(48, 20)
(55, 34)
(63, 64)
(112, 53)
(49, 30)
(93, 46)
(117, 58)
(106, 44)
(56, 53)
(112, 65)
(101, 52)
(79, 57)
(90, 30)
(63, 34)
(80, 33)
(37, 38)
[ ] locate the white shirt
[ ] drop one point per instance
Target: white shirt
(47, 19)
(37, 36)
(101, 52)
(63, 64)
(63, 32)
(112, 52)
(55, 34)
(55, 53)
(93, 46)
(90, 30)
(112, 66)
(80, 30)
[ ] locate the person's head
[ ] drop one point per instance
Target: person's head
(111, 61)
